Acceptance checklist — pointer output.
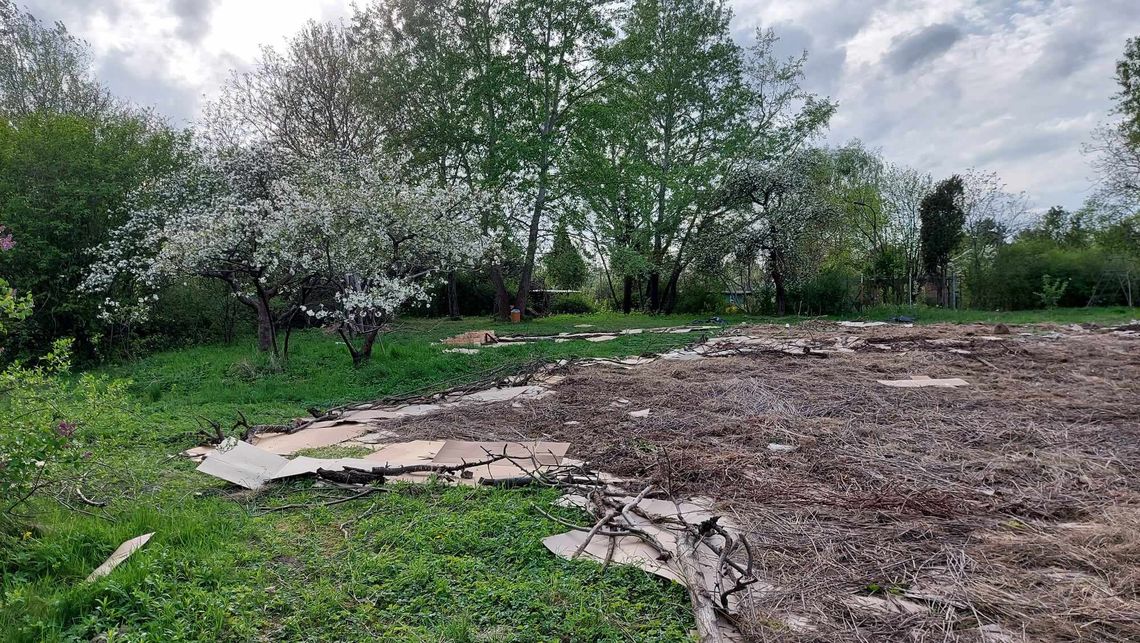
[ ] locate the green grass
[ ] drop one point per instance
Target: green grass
(928, 315)
(426, 564)
(422, 564)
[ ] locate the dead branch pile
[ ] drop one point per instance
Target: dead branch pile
(1008, 510)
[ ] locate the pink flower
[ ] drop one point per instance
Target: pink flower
(66, 429)
(6, 242)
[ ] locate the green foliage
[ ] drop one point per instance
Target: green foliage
(44, 68)
(832, 291)
(1128, 98)
(1097, 261)
(1051, 290)
(699, 296)
(1020, 268)
(63, 182)
(942, 222)
(572, 304)
(13, 307)
(565, 267)
(47, 417)
(476, 296)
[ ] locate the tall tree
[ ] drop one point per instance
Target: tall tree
(1116, 144)
(685, 92)
(307, 100)
(1128, 98)
(565, 266)
(44, 69)
(554, 56)
(943, 220)
(432, 79)
(610, 176)
(782, 209)
(992, 215)
(495, 88)
(903, 192)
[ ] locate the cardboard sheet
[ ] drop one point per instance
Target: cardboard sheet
(244, 465)
(504, 394)
(545, 453)
(310, 438)
(251, 467)
(923, 381)
(302, 465)
(119, 555)
(628, 550)
(403, 453)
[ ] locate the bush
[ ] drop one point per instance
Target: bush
(833, 291)
(46, 420)
(1021, 267)
(572, 304)
(476, 296)
(698, 296)
(64, 183)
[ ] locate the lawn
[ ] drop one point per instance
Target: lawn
(415, 563)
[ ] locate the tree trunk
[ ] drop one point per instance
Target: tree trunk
(627, 295)
(669, 300)
(502, 296)
(362, 354)
(365, 352)
(943, 298)
(531, 246)
(264, 326)
(778, 282)
(452, 296)
(654, 292)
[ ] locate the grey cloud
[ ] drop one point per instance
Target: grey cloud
(193, 18)
(926, 44)
(1064, 58)
(1027, 145)
(177, 102)
(71, 11)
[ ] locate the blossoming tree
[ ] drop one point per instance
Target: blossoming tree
(216, 218)
(280, 231)
(380, 242)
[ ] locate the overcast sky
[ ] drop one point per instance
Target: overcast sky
(1011, 86)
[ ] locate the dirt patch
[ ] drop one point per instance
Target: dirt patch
(1005, 510)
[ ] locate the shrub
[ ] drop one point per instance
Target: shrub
(47, 417)
(572, 304)
(698, 296)
(1051, 291)
(830, 292)
(1021, 267)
